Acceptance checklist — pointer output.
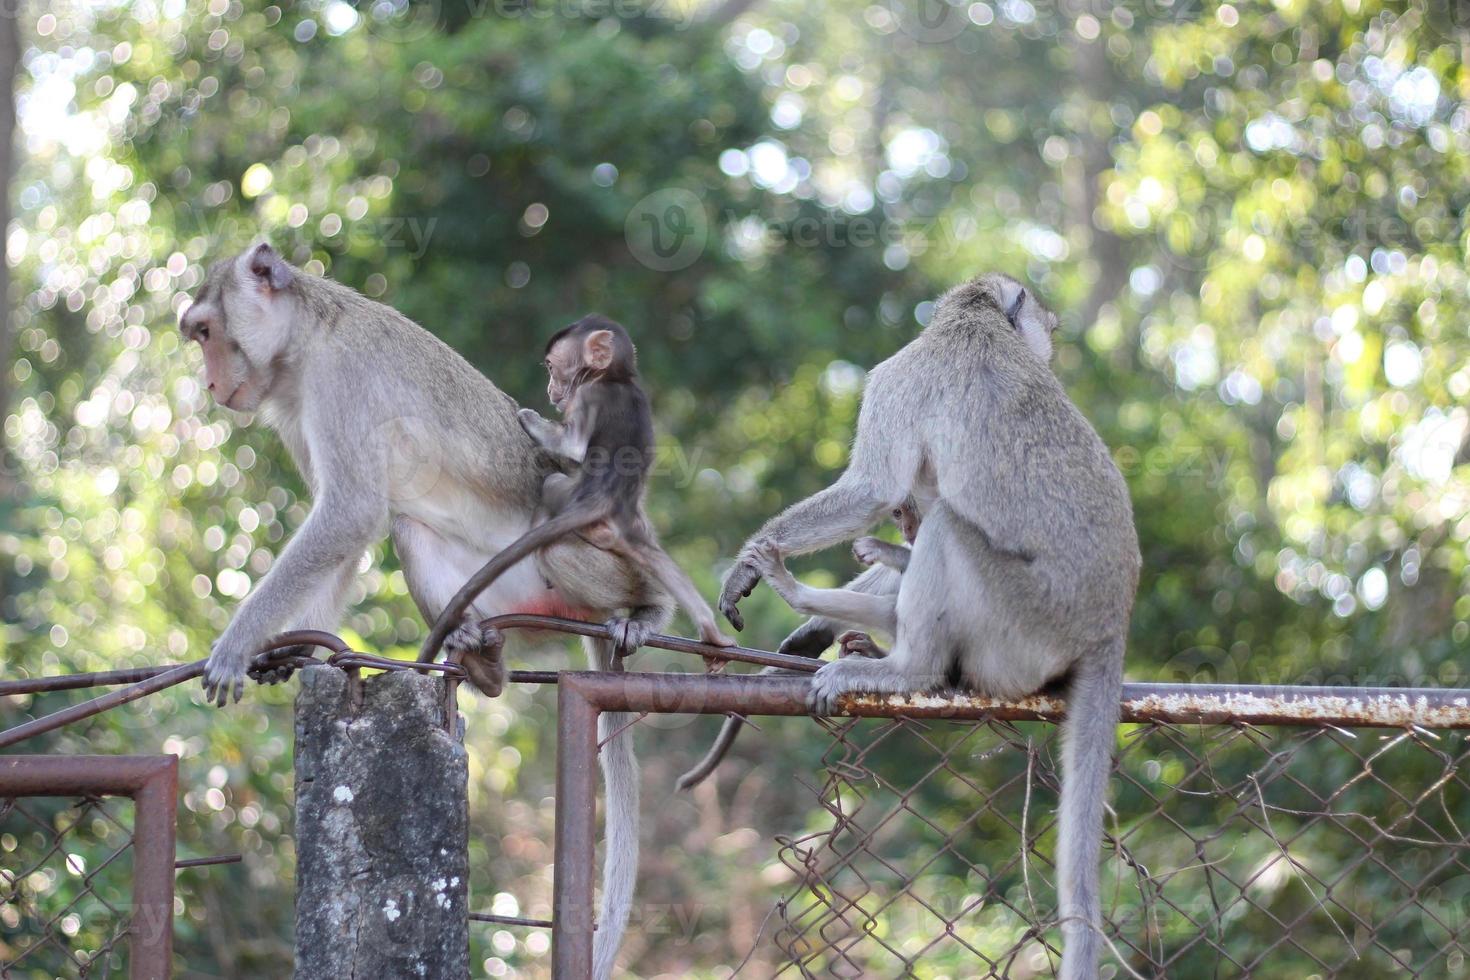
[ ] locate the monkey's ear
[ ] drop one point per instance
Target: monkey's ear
(269, 269)
(597, 349)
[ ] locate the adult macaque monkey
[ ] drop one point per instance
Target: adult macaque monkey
(1025, 566)
(396, 433)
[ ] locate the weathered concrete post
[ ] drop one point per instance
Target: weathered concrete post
(381, 830)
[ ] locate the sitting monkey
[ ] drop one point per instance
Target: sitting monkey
(608, 436)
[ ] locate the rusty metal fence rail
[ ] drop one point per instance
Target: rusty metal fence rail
(1267, 832)
(1255, 831)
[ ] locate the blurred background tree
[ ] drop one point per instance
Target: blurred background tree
(1250, 217)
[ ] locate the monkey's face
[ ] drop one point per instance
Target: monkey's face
(237, 321)
(563, 363)
(906, 516)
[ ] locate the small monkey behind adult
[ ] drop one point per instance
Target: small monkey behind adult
(850, 606)
(608, 436)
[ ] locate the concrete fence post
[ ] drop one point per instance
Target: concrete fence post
(381, 829)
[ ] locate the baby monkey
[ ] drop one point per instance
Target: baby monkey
(819, 602)
(608, 437)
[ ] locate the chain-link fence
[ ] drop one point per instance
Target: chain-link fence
(1282, 833)
(1233, 851)
(86, 881)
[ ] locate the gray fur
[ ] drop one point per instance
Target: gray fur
(396, 433)
(1026, 563)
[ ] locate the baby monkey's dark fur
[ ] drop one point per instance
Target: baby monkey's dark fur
(608, 435)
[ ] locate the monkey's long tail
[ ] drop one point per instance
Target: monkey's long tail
(570, 521)
(711, 761)
(1088, 736)
(620, 824)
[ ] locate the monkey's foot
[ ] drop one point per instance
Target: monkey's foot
(628, 634)
(710, 633)
(856, 644)
(767, 559)
(852, 675)
(480, 652)
(263, 672)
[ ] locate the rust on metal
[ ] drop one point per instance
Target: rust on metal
(1144, 703)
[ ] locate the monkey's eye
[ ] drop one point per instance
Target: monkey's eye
(202, 333)
(897, 514)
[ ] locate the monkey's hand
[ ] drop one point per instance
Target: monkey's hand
(740, 581)
(224, 674)
(810, 638)
(870, 550)
(545, 434)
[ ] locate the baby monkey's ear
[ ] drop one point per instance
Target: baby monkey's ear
(597, 350)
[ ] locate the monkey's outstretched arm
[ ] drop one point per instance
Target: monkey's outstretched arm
(568, 522)
(885, 462)
(341, 526)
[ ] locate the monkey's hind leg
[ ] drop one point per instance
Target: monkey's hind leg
(843, 605)
(925, 642)
(434, 569)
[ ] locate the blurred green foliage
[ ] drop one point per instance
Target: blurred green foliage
(1250, 217)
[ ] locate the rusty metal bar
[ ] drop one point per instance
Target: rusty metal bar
(152, 781)
(576, 808)
(510, 920)
(205, 862)
(132, 675)
(162, 680)
(1173, 703)
(153, 871)
(77, 712)
(678, 644)
(73, 682)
